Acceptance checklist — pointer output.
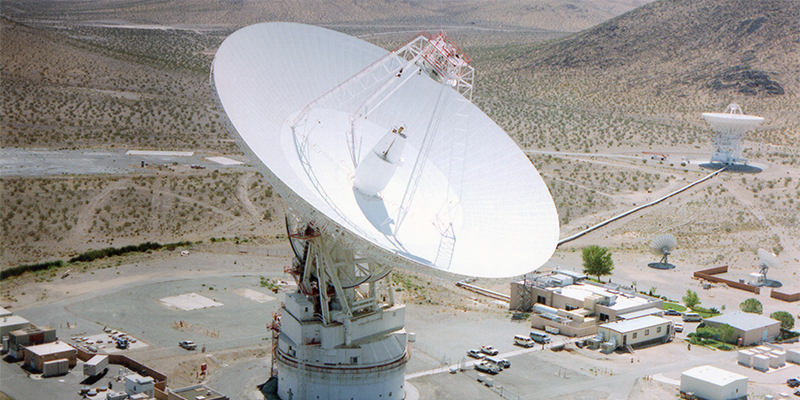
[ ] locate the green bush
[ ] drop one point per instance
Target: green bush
(92, 255)
(21, 269)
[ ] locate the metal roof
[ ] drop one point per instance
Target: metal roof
(630, 325)
(744, 321)
(573, 274)
(139, 379)
(642, 313)
(713, 375)
(13, 320)
(50, 348)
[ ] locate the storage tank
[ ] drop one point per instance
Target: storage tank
(543, 309)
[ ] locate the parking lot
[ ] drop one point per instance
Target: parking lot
(232, 328)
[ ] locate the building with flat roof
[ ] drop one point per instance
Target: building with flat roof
(55, 354)
(750, 328)
(29, 336)
(574, 306)
(712, 383)
(196, 392)
(635, 332)
(10, 323)
(4, 312)
(137, 384)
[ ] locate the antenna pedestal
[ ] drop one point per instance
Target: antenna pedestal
(341, 334)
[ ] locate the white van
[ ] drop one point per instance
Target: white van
(540, 337)
(692, 317)
(523, 341)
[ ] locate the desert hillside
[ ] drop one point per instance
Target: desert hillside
(552, 15)
(584, 107)
(730, 47)
(89, 87)
(695, 55)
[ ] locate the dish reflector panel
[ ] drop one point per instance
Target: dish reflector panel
(459, 195)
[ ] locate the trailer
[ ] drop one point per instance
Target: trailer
(96, 365)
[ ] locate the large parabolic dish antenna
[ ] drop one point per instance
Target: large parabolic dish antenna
(730, 127)
(310, 106)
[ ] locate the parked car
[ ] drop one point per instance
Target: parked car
(489, 368)
(678, 327)
(187, 344)
(524, 341)
(793, 382)
(539, 337)
(475, 353)
(671, 311)
(490, 350)
(500, 362)
(797, 392)
(692, 317)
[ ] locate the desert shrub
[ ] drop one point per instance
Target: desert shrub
(21, 269)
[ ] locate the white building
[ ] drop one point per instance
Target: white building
(9, 323)
(632, 332)
(712, 383)
(136, 384)
(574, 306)
(750, 328)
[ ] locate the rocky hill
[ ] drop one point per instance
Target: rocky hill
(551, 15)
(726, 46)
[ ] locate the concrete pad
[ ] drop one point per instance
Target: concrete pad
(188, 302)
(159, 153)
(254, 295)
(224, 161)
(109, 345)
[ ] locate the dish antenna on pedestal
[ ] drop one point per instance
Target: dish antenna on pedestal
(384, 162)
(768, 260)
(662, 246)
(730, 128)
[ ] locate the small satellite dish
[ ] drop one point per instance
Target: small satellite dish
(662, 246)
(768, 260)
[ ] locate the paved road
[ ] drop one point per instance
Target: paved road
(510, 354)
(46, 162)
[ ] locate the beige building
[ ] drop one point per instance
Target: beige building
(564, 302)
(751, 328)
(31, 336)
(50, 357)
(635, 332)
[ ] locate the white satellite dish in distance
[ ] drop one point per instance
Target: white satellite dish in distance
(479, 206)
(730, 127)
(663, 245)
(768, 261)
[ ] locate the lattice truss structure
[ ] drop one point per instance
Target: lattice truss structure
(438, 57)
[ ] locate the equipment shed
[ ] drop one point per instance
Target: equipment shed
(751, 328)
(633, 332)
(712, 383)
(37, 356)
